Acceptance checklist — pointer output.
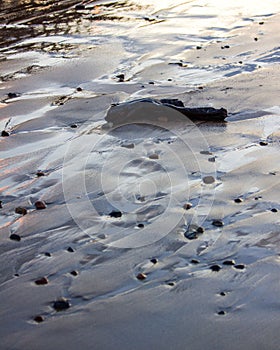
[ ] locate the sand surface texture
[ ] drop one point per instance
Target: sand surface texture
(162, 234)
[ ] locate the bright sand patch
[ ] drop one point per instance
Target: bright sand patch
(138, 269)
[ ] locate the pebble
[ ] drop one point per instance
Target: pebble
(48, 254)
(171, 284)
(187, 206)
(223, 294)
(115, 214)
(274, 210)
(141, 276)
(195, 261)
(42, 281)
(199, 47)
(206, 153)
(256, 39)
(4, 133)
(239, 266)
(153, 156)
(222, 312)
(208, 180)
(61, 304)
(128, 145)
(140, 225)
(261, 23)
(79, 89)
(70, 250)
(217, 223)
(80, 7)
(13, 95)
(238, 200)
(38, 318)
(39, 205)
(120, 77)
(229, 262)
(154, 260)
(215, 268)
(263, 143)
(40, 173)
(15, 237)
(212, 159)
(20, 210)
(74, 273)
(73, 126)
(1, 204)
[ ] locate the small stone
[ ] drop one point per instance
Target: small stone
(39, 205)
(154, 260)
(238, 200)
(274, 210)
(140, 225)
(61, 304)
(187, 206)
(191, 235)
(199, 47)
(261, 23)
(120, 77)
(15, 237)
(16, 275)
(38, 319)
(218, 223)
(70, 250)
(223, 294)
(222, 312)
(215, 268)
(195, 261)
(229, 262)
(48, 254)
(79, 89)
(141, 276)
(226, 46)
(5, 133)
(42, 281)
(200, 87)
(20, 210)
(239, 266)
(40, 173)
(256, 39)
(115, 214)
(200, 230)
(208, 153)
(128, 145)
(258, 198)
(153, 156)
(74, 273)
(13, 95)
(263, 143)
(80, 7)
(151, 83)
(171, 284)
(1, 204)
(73, 126)
(212, 159)
(240, 62)
(208, 180)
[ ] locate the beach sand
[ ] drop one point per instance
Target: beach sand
(156, 235)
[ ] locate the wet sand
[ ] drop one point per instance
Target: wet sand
(159, 235)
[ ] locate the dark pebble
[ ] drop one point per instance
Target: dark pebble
(263, 143)
(120, 77)
(226, 46)
(218, 223)
(48, 254)
(171, 284)
(200, 230)
(200, 87)
(15, 237)
(223, 294)
(261, 23)
(240, 62)
(140, 225)
(40, 173)
(238, 200)
(74, 273)
(191, 235)
(80, 7)
(79, 89)
(70, 250)
(215, 268)
(1, 204)
(222, 312)
(61, 304)
(115, 214)
(16, 275)
(39, 205)
(258, 198)
(199, 47)
(42, 281)
(141, 276)
(38, 319)
(4, 133)
(20, 210)
(154, 260)
(256, 39)
(195, 261)
(73, 126)
(13, 95)
(274, 210)
(187, 206)
(229, 262)
(239, 266)
(212, 159)
(151, 83)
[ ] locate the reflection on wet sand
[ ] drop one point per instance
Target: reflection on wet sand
(22, 19)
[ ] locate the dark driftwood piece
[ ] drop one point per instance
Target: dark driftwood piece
(209, 114)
